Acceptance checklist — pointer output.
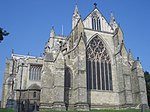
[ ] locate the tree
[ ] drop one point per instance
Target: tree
(147, 80)
(2, 34)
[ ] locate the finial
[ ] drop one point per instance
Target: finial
(62, 33)
(12, 51)
(28, 53)
(52, 27)
(40, 54)
(130, 56)
(52, 34)
(111, 13)
(76, 9)
(138, 58)
(95, 4)
(112, 16)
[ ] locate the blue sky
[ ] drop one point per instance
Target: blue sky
(29, 23)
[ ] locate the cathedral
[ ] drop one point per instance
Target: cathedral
(89, 69)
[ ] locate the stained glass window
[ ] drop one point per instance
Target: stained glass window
(99, 75)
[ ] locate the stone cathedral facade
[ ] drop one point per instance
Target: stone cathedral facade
(89, 69)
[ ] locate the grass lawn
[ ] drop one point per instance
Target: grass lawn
(128, 110)
(125, 110)
(6, 110)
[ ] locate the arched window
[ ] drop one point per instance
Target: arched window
(35, 72)
(98, 66)
(96, 22)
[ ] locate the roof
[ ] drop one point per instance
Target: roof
(17, 56)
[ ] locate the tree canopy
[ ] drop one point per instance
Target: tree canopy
(147, 80)
(3, 33)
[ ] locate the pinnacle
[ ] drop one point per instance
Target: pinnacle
(52, 34)
(76, 11)
(112, 16)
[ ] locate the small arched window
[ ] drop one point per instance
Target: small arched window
(98, 66)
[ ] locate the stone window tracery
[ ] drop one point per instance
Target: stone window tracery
(99, 75)
(96, 22)
(35, 72)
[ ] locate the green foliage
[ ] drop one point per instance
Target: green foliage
(147, 80)
(7, 110)
(3, 33)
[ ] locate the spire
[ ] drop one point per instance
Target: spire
(75, 17)
(112, 17)
(113, 23)
(76, 11)
(139, 67)
(12, 51)
(52, 34)
(50, 42)
(130, 56)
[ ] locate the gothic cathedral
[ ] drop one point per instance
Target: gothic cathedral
(89, 69)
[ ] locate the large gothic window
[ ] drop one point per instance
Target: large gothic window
(35, 72)
(99, 73)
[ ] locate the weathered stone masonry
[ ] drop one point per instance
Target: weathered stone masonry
(89, 69)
